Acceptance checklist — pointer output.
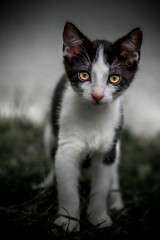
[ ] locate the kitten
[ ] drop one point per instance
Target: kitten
(86, 121)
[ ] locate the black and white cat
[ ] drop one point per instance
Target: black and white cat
(86, 121)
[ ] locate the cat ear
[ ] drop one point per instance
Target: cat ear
(72, 40)
(130, 46)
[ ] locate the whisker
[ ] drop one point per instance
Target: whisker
(86, 53)
(83, 59)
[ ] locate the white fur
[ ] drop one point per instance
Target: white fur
(100, 69)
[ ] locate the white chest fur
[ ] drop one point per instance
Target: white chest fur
(86, 125)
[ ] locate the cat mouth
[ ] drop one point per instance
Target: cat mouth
(100, 103)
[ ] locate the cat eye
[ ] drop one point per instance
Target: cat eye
(114, 79)
(84, 76)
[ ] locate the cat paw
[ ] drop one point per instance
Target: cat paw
(67, 224)
(101, 221)
(117, 204)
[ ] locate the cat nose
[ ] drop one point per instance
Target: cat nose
(97, 97)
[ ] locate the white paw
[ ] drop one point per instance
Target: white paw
(68, 224)
(100, 220)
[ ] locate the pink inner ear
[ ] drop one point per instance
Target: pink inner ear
(72, 51)
(131, 56)
(124, 54)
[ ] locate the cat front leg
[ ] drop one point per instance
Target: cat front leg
(67, 174)
(100, 186)
(115, 198)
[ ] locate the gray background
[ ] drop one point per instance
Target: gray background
(31, 54)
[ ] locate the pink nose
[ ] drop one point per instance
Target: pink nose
(97, 97)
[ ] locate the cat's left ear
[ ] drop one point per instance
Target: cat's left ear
(72, 40)
(130, 45)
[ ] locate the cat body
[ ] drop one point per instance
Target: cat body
(86, 121)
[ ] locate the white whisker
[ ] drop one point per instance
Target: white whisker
(86, 54)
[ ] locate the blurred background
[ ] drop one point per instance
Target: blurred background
(31, 54)
(30, 65)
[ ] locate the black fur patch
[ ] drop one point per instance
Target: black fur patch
(87, 162)
(56, 104)
(111, 155)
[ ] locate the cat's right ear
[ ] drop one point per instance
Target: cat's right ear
(129, 46)
(72, 40)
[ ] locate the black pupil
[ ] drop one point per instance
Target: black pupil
(85, 75)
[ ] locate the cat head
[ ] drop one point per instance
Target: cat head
(99, 71)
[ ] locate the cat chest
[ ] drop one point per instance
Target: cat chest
(95, 133)
(88, 126)
(99, 138)
(98, 143)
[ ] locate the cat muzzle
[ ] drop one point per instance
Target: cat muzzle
(98, 93)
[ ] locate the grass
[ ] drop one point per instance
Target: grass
(26, 213)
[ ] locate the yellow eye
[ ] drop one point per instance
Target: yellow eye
(84, 76)
(114, 78)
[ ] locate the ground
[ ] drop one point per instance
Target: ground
(26, 213)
